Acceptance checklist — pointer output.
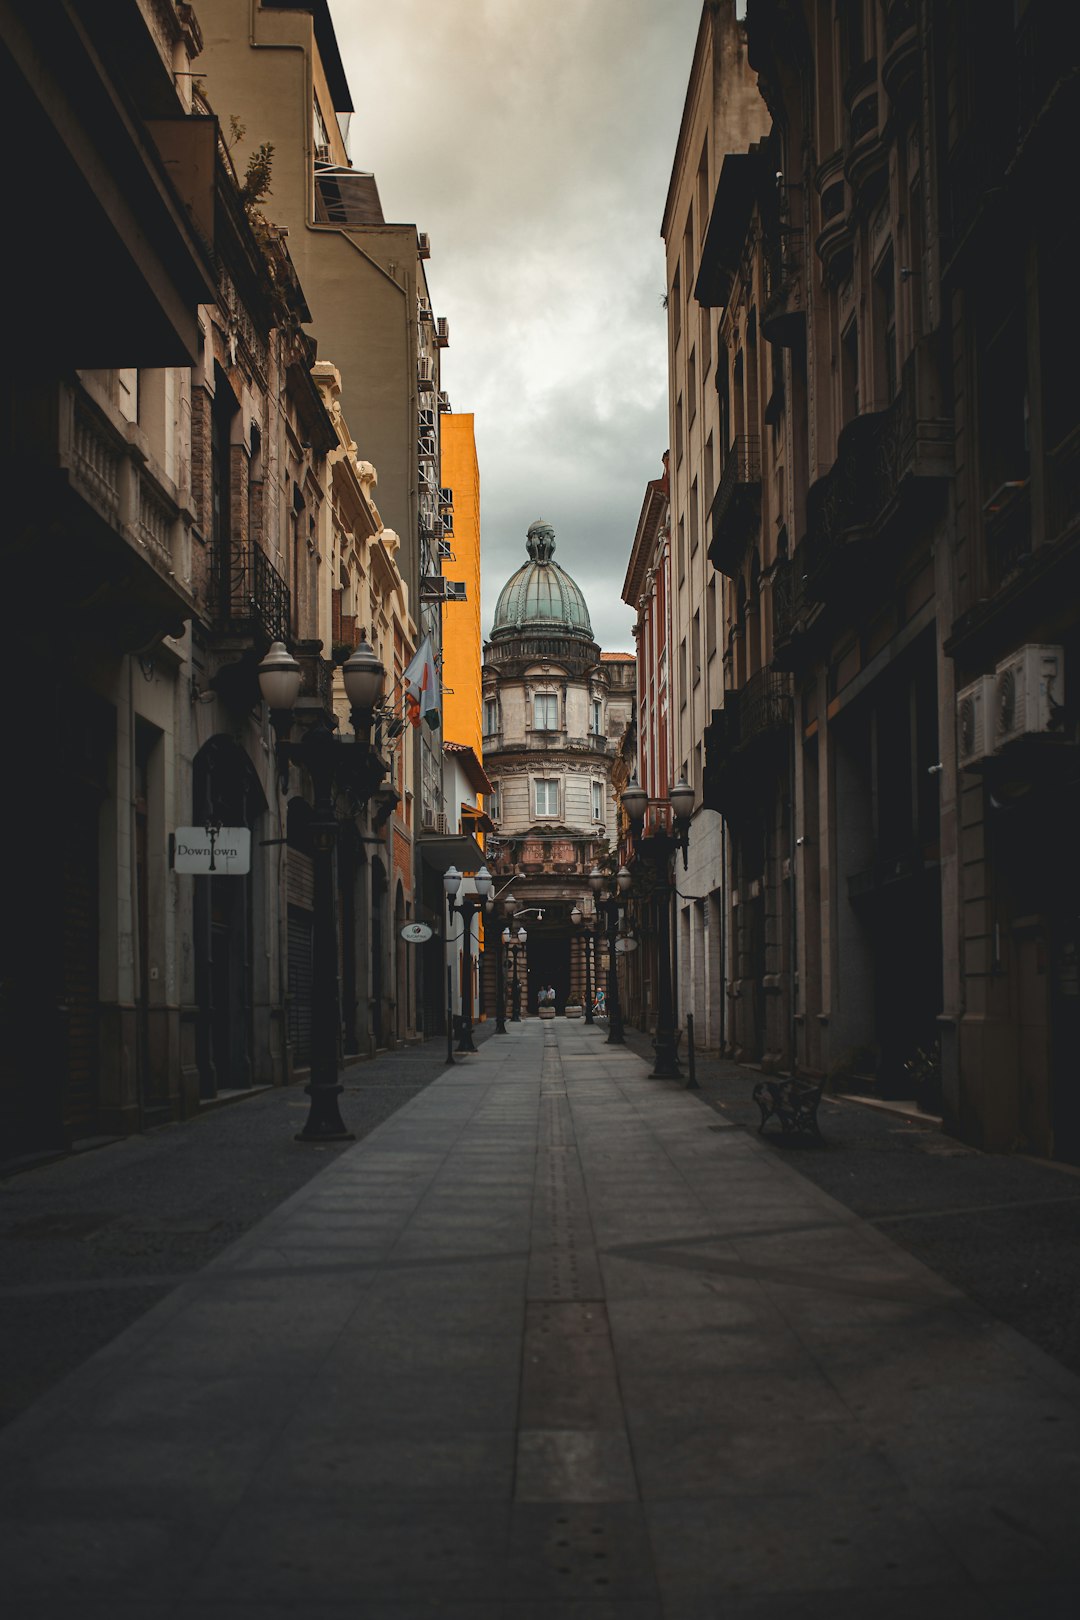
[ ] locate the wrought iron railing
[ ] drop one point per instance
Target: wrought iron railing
(1007, 531)
(252, 597)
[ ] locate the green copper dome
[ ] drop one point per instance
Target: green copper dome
(541, 595)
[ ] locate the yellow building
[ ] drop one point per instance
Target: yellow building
(462, 712)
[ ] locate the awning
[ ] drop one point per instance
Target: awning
(440, 850)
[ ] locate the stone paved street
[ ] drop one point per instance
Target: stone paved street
(554, 1340)
(1003, 1228)
(91, 1241)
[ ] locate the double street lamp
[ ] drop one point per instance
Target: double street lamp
(610, 909)
(655, 851)
(503, 907)
(588, 945)
(515, 942)
(351, 765)
(469, 906)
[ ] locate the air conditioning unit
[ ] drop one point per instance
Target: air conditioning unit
(423, 244)
(446, 498)
(456, 590)
(432, 588)
(444, 400)
(974, 721)
(442, 331)
(425, 373)
(427, 820)
(1028, 686)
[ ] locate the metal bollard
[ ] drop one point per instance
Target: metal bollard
(691, 1084)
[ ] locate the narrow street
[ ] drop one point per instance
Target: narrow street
(553, 1340)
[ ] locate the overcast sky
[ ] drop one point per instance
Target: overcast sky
(533, 140)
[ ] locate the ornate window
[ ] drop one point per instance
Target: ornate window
(547, 795)
(546, 711)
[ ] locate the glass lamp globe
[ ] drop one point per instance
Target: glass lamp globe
(364, 678)
(596, 880)
(624, 880)
(483, 881)
(279, 677)
(575, 916)
(451, 882)
(522, 936)
(635, 801)
(681, 799)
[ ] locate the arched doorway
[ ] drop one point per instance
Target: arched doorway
(226, 791)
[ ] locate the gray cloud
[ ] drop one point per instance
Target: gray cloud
(534, 142)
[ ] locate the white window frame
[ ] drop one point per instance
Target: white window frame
(596, 716)
(493, 801)
(546, 782)
(550, 701)
(491, 711)
(598, 801)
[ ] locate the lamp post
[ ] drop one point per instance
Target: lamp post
(503, 907)
(657, 850)
(588, 944)
(469, 907)
(516, 942)
(352, 765)
(610, 910)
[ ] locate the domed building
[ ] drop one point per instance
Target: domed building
(557, 714)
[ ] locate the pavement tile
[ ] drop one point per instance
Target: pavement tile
(581, 1553)
(319, 1464)
(407, 1551)
(747, 1545)
(574, 1465)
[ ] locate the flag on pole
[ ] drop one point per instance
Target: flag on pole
(421, 683)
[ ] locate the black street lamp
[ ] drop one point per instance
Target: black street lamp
(469, 906)
(588, 945)
(656, 850)
(515, 942)
(610, 910)
(351, 764)
(499, 908)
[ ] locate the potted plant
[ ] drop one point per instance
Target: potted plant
(573, 1008)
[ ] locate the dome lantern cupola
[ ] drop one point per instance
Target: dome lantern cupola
(541, 596)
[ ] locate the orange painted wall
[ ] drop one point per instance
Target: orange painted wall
(463, 712)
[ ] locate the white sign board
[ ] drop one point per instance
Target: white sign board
(416, 933)
(225, 851)
(623, 947)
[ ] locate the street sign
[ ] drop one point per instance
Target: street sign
(416, 933)
(623, 947)
(225, 851)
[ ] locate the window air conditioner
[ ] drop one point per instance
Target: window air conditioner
(442, 331)
(455, 590)
(974, 721)
(425, 372)
(1028, 686)
(423, 244)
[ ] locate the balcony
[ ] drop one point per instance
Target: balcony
(122, 539)
(1063, 486)
(1047, 52)
(900, 64)
(253, 601)
(890, 465)
(868, 150)
(791, 609)
(783, 314)
(736, 507)
(1007, 531)
(746, 739)
(834, 240)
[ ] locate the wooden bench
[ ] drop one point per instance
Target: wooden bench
(793, 1102)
